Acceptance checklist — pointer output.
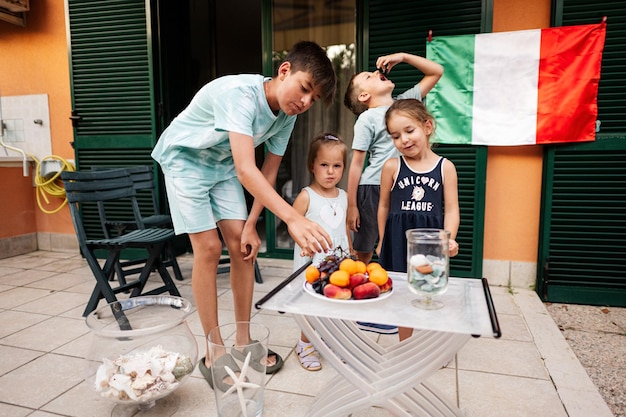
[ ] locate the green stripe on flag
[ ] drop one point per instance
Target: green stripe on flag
(454, 114)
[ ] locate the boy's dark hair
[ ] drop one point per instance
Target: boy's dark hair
(309, 57)
(326, 139)
(351, 98)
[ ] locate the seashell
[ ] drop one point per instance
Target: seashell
(103, 374)
(137, 365)
(122, 383)
(424, 269)
(142, 375)
(168, 377)
(141, 383)
(169, 363)
(183, 367)
(419, 259)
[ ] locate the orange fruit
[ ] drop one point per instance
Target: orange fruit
(312, 274)
(378, 276)
(361, 268)
(348, 265)
(340, 278)
(372, 265)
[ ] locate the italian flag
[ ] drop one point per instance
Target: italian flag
(517, 88)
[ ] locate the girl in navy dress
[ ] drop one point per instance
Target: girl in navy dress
(418, 189)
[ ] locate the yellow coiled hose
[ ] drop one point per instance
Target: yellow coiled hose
(51, 186)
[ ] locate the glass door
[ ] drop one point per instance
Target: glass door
(332, 25)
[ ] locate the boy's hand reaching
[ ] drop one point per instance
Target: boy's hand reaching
(250, 243)
(310, 236)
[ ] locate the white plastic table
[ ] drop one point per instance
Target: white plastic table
(393, 378)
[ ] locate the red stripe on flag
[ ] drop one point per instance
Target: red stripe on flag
(569, 72)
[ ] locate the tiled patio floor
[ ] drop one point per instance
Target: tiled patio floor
(529, 372)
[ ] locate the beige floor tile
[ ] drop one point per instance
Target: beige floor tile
(42, 414)
(59, 282)
(7, 270)
(502, 357)
(503, 301)
(284, 330)
(54, 304)
(80, 401)
(47, 335)
(514, 327)
(63, 265)
(25, 277)
(14, 411)
(582, 403)
(76, 312)
(20, 295)
(78, 347)
(12, 358)
(14, 321)
(491, 395)
(280, 403)
(51, 374)
(30, 261)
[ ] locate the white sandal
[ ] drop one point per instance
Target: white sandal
(308, 356)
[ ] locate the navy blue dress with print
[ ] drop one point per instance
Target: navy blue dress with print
(416, 202)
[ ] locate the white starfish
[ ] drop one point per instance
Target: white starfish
(239, 383)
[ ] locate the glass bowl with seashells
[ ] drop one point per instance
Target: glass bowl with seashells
(141, 351)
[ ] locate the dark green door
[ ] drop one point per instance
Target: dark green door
(113, 102)
(403, 26)
(113, 106)
(582, 254)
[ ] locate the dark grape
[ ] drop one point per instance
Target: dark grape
(318, 286)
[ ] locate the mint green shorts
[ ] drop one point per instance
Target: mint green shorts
(197, 205)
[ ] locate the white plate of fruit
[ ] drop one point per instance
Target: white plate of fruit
(343, 279)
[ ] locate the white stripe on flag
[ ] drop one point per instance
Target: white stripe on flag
(505, 102)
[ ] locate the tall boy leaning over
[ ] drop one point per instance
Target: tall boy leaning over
(207, 155)
(369, 96)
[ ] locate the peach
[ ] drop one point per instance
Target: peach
(334, 291)
(357, 279)
(387, 286)
(367, 290)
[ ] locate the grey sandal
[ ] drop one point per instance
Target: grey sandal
(220, 372)
(258, 354)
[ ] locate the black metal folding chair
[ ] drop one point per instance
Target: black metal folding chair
(97, 187)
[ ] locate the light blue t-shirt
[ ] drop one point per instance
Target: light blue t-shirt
(196, 143)
(370, 135)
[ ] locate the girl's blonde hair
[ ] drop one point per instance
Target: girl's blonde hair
(323, 140)
(411, 108)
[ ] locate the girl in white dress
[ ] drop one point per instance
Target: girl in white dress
(326, 204)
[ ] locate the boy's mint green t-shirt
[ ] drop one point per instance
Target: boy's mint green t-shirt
(370, 135)
(196, 143)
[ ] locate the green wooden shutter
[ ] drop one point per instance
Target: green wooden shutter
(583, 232)
(403, 26)
(583, 228)
(112, 87)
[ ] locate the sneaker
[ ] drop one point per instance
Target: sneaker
(377, 328)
